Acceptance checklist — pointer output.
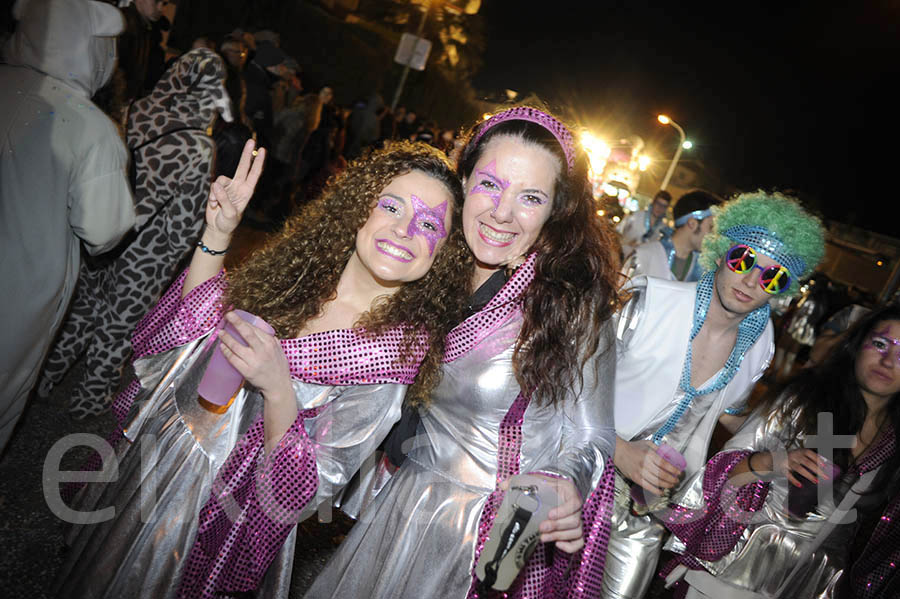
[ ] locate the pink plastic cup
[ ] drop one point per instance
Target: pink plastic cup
(221, 380)
(669, 454)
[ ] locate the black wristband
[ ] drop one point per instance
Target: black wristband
(763, 477)
(211, 252)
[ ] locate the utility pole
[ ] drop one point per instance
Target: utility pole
(406, 66)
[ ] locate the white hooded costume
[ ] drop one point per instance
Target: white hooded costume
(63, 181)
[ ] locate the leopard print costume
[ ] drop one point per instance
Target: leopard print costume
(173, 163)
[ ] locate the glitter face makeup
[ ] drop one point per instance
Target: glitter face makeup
(877, 369)
(405, 230)
(428, 222)
(509, 197)
(881, 342)
(489, 183)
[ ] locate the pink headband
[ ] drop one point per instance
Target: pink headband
(526, 113)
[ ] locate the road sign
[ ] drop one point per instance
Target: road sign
(413, 51)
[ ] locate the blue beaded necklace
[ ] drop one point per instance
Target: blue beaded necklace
(749, 330)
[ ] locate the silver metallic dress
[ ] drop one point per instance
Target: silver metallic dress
(166, 471)
(417, 538)
(770, 547)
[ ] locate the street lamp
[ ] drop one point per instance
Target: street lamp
(682, 144)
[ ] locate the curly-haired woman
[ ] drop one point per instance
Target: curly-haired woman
(739, 524)
(361, 290)
(526, 384)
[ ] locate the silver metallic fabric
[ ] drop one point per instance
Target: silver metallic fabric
(771, 545)
(634, 544)
(417, 538)
(176, 449)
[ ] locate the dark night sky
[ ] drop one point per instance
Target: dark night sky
(787, 95)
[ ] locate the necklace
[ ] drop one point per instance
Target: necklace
(749, 330)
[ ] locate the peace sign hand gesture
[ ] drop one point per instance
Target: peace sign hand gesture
(229, 197)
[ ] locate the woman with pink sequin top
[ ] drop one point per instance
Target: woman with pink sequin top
(361, 288)
(526, 385)
(764, 520)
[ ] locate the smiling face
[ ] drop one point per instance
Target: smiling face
(509, 197)
(404, 232)
(877, 365)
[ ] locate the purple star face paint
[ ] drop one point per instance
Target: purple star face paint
(489, 183)
(428, 222)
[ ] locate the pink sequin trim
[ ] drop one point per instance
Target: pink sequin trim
(506, 304)
(349, 357)
(256, 501)
(508, 451)
(533, 115)
(586, 576)
(175, 321)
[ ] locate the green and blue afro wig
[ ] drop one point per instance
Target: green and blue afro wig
(776, 225)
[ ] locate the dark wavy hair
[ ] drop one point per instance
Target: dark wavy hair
(290, 279)
(831, 386)
(576, 272)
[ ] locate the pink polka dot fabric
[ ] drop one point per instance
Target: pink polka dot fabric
(509, 449)
(711, 532)
(874, 575)
(351, 357)
(586, 576)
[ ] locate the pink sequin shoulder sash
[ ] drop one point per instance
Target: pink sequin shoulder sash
(500, 309)
(549, 572)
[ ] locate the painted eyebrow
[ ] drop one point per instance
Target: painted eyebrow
(487, 174)
(394, 197)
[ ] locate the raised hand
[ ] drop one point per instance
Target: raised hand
(228, 197)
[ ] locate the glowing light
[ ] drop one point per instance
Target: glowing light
(687, 145)
(597, 150)
(643, 162)
(879, 263)
(616, 219)
(600, 213)
(663, 119)
(486, 116)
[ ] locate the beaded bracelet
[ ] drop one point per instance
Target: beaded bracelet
(209, 251)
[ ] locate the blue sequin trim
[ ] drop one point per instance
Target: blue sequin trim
(764, 241)
(749, 330)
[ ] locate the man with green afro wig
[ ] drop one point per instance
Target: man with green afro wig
(688, 355)
(773, 224)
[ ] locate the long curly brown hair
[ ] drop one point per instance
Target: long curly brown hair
(290, 279)
(574, 290)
